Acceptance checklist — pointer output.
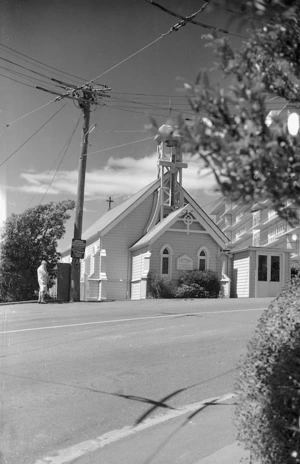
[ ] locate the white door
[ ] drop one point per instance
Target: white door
(269, 274)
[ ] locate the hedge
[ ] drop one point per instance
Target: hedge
(268, 384)
(191, 284)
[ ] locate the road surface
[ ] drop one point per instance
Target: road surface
(70, 373)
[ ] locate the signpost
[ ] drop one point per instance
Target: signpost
(78, 248)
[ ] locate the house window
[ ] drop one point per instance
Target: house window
(262, 268)
(275, 268)
(203, 260)
(166, 261)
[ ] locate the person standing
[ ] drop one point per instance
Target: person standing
(42, 275)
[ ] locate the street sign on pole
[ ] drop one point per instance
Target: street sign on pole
(78, 248)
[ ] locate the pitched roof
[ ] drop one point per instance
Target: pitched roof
(159, 229)
(207, 221)
(112, 217)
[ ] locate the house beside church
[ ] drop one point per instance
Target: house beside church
(262, 244)
(161, 229)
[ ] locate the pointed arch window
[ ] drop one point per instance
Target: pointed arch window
(166, 261)
(203, 259)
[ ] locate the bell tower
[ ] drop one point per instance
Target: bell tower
(170, 167)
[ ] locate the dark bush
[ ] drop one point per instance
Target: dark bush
(157, 287)
(198, 284)
(268, 384)
(191, 291)
(295, 270)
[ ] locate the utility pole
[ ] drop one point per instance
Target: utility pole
(88, 96)
(75, 265)
(84, 97)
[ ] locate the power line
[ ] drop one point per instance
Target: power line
(23, 76)
(174, 28)
(30, 112)
(41, 127)
(16, 80)
(191, 20)
(138, 112)
(119, 146)
(24, 67)
(63, 157)
(40, 62)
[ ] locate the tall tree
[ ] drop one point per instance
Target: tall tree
(252, 161)
(27, 239)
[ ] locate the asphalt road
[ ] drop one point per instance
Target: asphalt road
(73, 372)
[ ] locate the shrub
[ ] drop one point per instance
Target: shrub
(295, 270)
(191, 291)
(268, 384)
(157, 287)
(198, 284)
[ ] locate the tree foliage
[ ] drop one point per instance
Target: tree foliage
(27, 239)
(252, 161)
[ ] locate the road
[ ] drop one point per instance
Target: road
(72, 372)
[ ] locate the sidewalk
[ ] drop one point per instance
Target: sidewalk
(207, 437)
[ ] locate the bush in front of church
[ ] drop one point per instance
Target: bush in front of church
(158, 287)
(191, 284)
(198, 284)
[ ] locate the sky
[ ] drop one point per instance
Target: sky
(75, 41)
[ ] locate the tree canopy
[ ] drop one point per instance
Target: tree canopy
(26, 240)
(252, 161)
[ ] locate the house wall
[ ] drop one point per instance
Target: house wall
(183, 244)
(240, 275)
(117, 243)
(139, 273)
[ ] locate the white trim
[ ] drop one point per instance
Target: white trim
(190, 231)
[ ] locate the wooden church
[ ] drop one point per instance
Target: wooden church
(161, 229)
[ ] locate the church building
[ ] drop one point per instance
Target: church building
(160, 229)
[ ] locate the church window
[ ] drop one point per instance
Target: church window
(166, 261)
(203, 259)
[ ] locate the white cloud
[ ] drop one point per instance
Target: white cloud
(119, 177)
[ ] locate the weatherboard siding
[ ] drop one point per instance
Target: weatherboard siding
(183, 244)
(241, 273)
(117, 243)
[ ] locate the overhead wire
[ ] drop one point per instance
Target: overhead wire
(137, 112)
(174, 28)
(29, 113)
(32, 135)
(62, 159)
(205, 26)
(119, 146)
(24, 76)
(29, 59)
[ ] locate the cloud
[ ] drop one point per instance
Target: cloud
(119, 177)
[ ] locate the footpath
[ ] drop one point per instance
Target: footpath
(206, 436)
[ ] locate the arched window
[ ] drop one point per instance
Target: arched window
(166, 261)
(203, 258)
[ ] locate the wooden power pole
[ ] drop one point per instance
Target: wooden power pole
(75, 265)
(87, 97)
(84, 97)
